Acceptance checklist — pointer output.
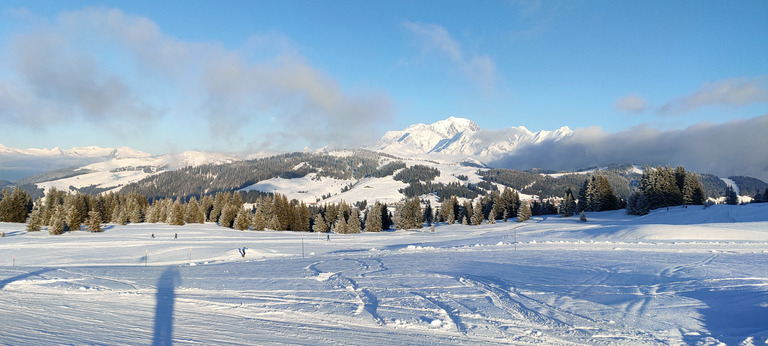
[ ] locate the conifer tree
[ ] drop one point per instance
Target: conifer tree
(477, 214)
(35, 218)
(274, 223)
(568, 207)
(72, 218)
(448, 209)
(583, 216)
(58, 225)
(492, 217)
(242, 221)
(341, 224)
(94, 221)
(373, 220)
(15, 205)
(524, 213)
(353, 226)
(302, 218)
(177, 214)
(228, 215)
(428, 213)
(730, 196)
(258, 220)
(320, 226)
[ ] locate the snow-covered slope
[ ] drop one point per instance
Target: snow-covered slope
(614, 280)
(118, 172)
(462, 138)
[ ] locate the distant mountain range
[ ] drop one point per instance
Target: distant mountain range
(456, 147)
(461, 138)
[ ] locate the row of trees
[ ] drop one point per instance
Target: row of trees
(665, 187)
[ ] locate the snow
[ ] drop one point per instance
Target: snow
(460, 138)
(683, 276)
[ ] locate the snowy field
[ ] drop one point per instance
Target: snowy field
(677, 276)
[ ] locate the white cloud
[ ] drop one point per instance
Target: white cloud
(479, 68)
(731, 148)
(733, 92)
(632, 103)
(122, 72)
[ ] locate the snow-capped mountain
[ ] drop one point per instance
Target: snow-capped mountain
(463, 138)
(76, 152)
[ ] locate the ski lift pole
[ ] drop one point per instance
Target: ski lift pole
(146, 256)
(302, 246)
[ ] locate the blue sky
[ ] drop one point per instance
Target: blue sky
(254, 75)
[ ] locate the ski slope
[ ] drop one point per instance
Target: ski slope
(686, 275)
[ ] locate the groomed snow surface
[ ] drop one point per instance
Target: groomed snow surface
(677, 276)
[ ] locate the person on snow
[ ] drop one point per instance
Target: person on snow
(328, 237)
(153, 236)
(242, 251)
(175, 236)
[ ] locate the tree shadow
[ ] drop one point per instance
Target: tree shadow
(732, 314)
(166, 297)
(5, 282)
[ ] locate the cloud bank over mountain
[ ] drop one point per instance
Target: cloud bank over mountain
(736, 147)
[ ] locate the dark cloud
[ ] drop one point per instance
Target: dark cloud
(733, 148)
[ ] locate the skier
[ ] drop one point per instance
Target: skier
(175, 236)
(242, 251)
(328, 237)
(153, 236)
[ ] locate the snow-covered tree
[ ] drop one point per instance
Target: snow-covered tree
(524, 213)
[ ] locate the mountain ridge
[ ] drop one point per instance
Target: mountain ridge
(462, 138)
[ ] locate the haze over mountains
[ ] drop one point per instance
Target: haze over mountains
(718, 149)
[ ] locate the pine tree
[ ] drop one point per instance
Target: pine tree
(447, 208)
(94, 221)
(341, 224)
(524, 213)
(228, 215)
(638, 204)
(492, 216)
(58, 225)
(35, 218)
(302, 218)
(583, 216)
(477, 214)
(242, 220)
(730, 196)
(15, 205)
(373, 220)
(274, 223)
(320, 226)
(177, 215)
(353, 226)
(258, 220)
(568, 207)
(410, 215)
(428, 213)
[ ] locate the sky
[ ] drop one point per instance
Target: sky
(247, 76)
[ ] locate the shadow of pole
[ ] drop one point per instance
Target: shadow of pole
(166, 296)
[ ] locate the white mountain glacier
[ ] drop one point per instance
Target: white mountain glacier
(461, 137)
